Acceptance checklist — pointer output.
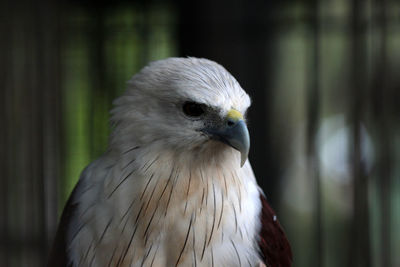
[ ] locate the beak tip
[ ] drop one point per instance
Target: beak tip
(243, 159)
(242, 163)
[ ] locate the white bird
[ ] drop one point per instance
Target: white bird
(175, 187)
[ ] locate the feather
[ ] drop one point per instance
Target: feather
(274, 246)
(58, 255)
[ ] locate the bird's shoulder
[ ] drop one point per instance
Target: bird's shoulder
(59, 253)
(273, 243)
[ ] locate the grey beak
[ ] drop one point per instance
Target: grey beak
(236, 135)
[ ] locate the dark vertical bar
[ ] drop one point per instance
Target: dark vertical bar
(48, 79)
(383, 118)
(5, 75)
(313, 110)
(29, 161)
(37, 98)
(360, 251)
(97, 77)
(24, 115)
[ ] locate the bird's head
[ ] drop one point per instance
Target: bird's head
(183, 104)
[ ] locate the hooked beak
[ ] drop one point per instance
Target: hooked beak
(234, 133)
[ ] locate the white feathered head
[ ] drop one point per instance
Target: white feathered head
(181, 104)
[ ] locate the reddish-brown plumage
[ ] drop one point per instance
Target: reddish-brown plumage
(274, 246)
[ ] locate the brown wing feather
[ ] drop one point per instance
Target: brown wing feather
(274, 246)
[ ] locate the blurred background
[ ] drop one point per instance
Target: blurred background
(324, 77)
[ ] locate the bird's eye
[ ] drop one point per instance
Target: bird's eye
(193, 109)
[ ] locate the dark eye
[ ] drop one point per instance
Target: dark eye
(193, 109)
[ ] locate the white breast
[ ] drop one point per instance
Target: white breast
(167, 215)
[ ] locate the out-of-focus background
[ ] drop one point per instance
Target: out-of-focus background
(324, 77)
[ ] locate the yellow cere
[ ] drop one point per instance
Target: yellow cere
(234, 114)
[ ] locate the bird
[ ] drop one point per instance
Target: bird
(175, 186)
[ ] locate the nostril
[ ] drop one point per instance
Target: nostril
(231, 123)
